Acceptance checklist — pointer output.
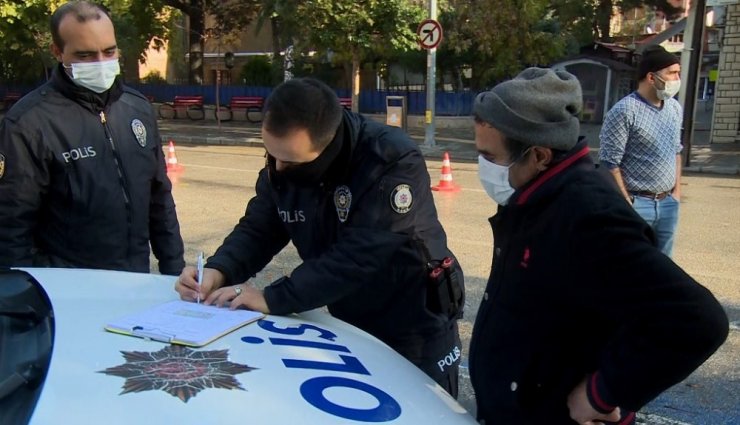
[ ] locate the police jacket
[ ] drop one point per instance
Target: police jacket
(84, 182)
(365, 232)
(579, 289)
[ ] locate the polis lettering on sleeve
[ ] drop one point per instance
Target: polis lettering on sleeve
(79, 153)
(292, 216)
(449, 359)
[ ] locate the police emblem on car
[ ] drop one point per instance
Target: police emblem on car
(139, 131)
(402, 198)
(2, 165)
(342, 202)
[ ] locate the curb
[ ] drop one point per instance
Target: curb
(251, 142)
(713, 169)
(443, 144)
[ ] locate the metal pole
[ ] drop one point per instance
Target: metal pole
(218, 81)
(431, 84)
(691, 56)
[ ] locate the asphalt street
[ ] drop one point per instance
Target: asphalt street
(212, 192)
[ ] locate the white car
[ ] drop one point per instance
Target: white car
(303, 369)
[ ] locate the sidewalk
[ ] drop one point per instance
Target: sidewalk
(459, 142)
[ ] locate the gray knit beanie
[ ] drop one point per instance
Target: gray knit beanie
(539, 107)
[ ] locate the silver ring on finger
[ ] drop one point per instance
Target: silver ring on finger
(238, 290)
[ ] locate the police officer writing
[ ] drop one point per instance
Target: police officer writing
(584, 320)
(82, 173)
(354, 198)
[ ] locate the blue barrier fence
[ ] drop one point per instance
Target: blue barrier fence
(371, 102)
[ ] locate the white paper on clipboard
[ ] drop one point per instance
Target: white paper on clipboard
(182, 322)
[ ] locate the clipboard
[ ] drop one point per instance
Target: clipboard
(183, 323)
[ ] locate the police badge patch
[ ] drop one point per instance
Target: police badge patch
(402, 198)
(139, 131)
(342, 202)
(2, 165)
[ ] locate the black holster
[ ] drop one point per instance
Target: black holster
(444, 288)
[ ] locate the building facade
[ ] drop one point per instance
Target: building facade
(726, 119)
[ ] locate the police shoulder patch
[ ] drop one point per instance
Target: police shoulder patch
(139, 131)
(2, 165)
(342, 202)
(402, 198)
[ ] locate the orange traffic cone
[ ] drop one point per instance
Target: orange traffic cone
(172, 164)
(445, 181)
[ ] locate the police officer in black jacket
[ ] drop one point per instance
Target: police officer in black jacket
(82, 174)
(354, 198)
(584, 320)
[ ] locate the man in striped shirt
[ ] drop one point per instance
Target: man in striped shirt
(641, 144)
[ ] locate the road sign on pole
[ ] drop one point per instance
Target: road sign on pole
(430, 33)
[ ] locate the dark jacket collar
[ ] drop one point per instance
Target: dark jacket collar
(344, 140)
(546, 182)
(341, 167)
(88, 99)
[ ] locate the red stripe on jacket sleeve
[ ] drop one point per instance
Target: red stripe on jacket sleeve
(598, 395)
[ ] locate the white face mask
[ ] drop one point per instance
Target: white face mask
(96, 76)
(495, 180)
(670, 89)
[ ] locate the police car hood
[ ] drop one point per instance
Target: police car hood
(301, 369)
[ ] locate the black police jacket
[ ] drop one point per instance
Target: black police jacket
(365, 234)
(84, 183)
(578, 289)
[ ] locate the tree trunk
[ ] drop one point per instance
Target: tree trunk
(355, 81)
(457, 78)
(197, 30)
(603, 19)
(130, 69)
(278, 62)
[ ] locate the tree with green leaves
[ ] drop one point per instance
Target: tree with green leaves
(498, 38)
(228, 16)
(25, 35)
(139, 25)
(25, 40)
(352, 30)
(590, 20)
(281, 16)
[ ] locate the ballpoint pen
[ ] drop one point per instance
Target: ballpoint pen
(200, 274)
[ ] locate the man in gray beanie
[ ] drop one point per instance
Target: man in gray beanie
(571, 328)
(641, 144)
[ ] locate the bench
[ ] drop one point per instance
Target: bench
(346, 102)
(248, 104)
(9, 99)
(192, 106)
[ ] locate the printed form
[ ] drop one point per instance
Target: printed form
(183, 322)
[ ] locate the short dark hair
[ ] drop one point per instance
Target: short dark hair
(83, 10)
(303, 103)
(515, 148)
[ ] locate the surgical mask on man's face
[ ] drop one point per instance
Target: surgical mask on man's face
(96, 76)
(495, 180)
(670, 88)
